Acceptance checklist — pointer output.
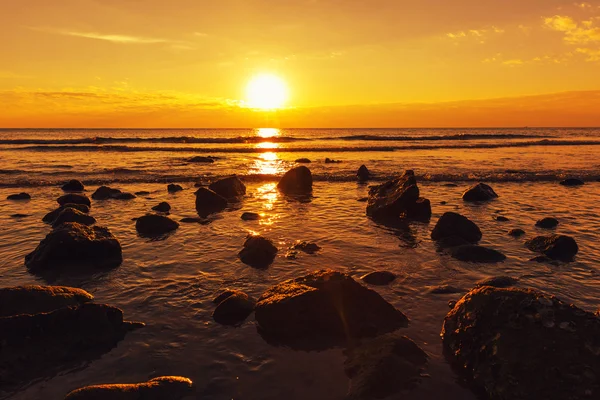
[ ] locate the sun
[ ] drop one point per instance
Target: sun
(266, 92)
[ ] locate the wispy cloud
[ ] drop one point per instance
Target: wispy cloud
(479, 35)
(575, 32)
(108, 37)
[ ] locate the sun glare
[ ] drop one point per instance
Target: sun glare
(266, 92)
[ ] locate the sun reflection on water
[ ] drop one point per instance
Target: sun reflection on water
(267, 132)
(268, 194)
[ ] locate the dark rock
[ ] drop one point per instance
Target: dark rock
(363, 199)
(516, 232)
(202, 159)
(323, 309)
(105, 193)
(39, 299)
(475, 253)
(452, 304)
(291, 255)
(523, 344)
(224, 294)
(479, 192)
(306, 247)
(142, 193)
(453, 224)
(155, 225)
(124, 196)
(303, 161)
(384, 366)
(445, 289)
(209, 202)
(498, 281)
(557, 247)
(363, 173)
(234, 308)
(547, 223)
(297, 181)
(258, 252)
(52, 215)
(443, 203)
(19, 196)
(75, 244)
(73, 198)
(69, 214)
(250, 216)
(541, 259)
(396, 199)
(192, 220)
(501, 218)
(330, 161)
(173, 188)
(379, 278)
(163, 207)
(230, 188)
(161, 388)
(73, 186)
(572, 182)
(420, 210)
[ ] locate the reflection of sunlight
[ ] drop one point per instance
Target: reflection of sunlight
(267, 145)
(267, 132)
(269, 156)
(267, 194)
(267, 164)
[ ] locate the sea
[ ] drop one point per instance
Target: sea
(170, 283)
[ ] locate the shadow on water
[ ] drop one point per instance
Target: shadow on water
(402, 229)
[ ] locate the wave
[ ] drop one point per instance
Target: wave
(460, 136)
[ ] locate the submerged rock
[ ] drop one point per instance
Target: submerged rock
(52, 215)
(173, 188)
(209, 202)
(161, 388)
(522, 344)
(258, 252)
(73, 186)
(330, 161)
(572, 182)
(74, 198)
(363, 173)
(453, 224)
(193, 220)
(323, 309)
(303, 161)
(379, 278)
(475, 253)
(445, 289)
(547, 223)
(155, 225)
(498, 281)
(142, 193)
(384, 366)
(105, 193)
(72, 243)
(163, 207)
(556, 247)
(69, 214)
(234, 307)
(501, 218)
(297, 181)
(39, 299)
(516, 232)
(306, 247)
(229, 188)
(479, 192)
(398, 199)
(202, 159)
(250, 216)
(19, 196)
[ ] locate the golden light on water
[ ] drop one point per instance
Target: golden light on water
(268, 195)
(267, 145)
(267, 132)
(266, 92)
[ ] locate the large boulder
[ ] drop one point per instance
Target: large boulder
(363, 173)
(521, 344)
(73, 186)
(155, 225)
(258, 252)
(39, 299)
(161, 388)
(209, 202)
(556, 247)
(19, 196)
(229, 188)
(233, 307)
(323, 309)
(75, 244)
(74, 198)
(297, 181)
(397, 199)
(69, 214)
(453, 224)
(475, 253)
(479, 192)
(572, 182)
(106, 193)
(52, 215)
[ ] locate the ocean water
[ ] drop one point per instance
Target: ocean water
(169, 284)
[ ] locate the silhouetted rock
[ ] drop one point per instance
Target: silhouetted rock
(229, 188)
(52, 215)
(19, 215)
(75, 244)
(258, 252)
(379, 278)
(297, 181)
(556, 247)
(541, 259)
(384, 366)
(209, 202)
(572, 182)
(250, 216)
(105, 193)
(330, 161)
(235, 307)
(547, 223)
(161, 388)
(155, 225)
(163, 207)
(124, 196)
(173, 188)
(19, 196)
(323, 309)
(306, 247)
(69, 214)
(501, 218)
(522, 344)
(479, 192)
(363, 173)
(224, 294)
(303, 161)
(398, 199)
(420, 210)
(516, 232)
(202, 159)
(73, 186)
(445, 289)
(498, 281)
(39, 299)
(192, 220)
(142, 193)
(453, 224)
(475, 253)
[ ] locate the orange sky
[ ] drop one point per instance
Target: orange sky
(381, 63)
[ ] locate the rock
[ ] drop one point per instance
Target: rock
(450, 242)
(452, 304)
(230, 188)
(445, 289)
(20, 215)
(39, 299)
(498, 281)
(74, 244)
(224, 294)
(250, 216)
(161, 388)
(384, 366)
(541, 259)
(19, 196)
(105, 193)
(73, 198)
(379, 278)
(547, 223)
(73, 186)
(363, 199)
(516, 232)
(234, 308)
(173, 188)
(303, 161)
(291, 255)
(202, 159)
(522, 344)
(501, 218)
(363, 173)
(297, 181)
(420, 210)
(475, 253)
(453, 224)
(69, 214)
(479, 192)
(191, 220)
(324, 309)
(125, 196)
(443, 203)
(258, 252)
(330, 161)
(209, 202)
(572, 182)
(142, 193)
(306, 247)
(397, 199)
(52, 215)
(557, 247)
(155, 225)
(163, 207)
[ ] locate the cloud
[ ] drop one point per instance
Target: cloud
(479, 35)
(575, 32)
(592, 54)
(113, 38)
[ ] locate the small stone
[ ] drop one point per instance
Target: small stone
(202, 159)
(501, 218)
(303, 161)
(155, 225)
(363, 173)
(258, 252)
(163, 207)
(572, 182)
(174, 188)
(19, 196)
(516, 232)
(73, 186)
(378, 278)
(250, 216)
(142, 193)
(306, 247)
(547, 223)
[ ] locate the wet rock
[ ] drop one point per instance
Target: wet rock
(105, 193)
(303, 161)
(258, 252)
(498, 281)
(516, 232)
(142, 193)
(453, 224)
(306, 247)
(475, 253)
(572, 182)
(523, 344)
(398, 198)
(323, 309)
(291, 255)
(229, 188)
(73, 186)
(20, 215)
(224, 294)
(420, 210)
(209, 202)
(452, 304)
(163, 207)
(547, 223)
(443, 203)
(363, 173)
(501, 218)
(173, 188)
(297, 181)
(69, 214)
(19, 196)
(72, 243)
(445, 289)
(541, 259)
(479, 192)
(234, 308)
(202, 159)
(379, 278)
(155, 225)
(192, 220)
(39, 299)
(330, 161)
(557, 247)
(250, 216)
(52, 215)
(161, 388)
(125, 196)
